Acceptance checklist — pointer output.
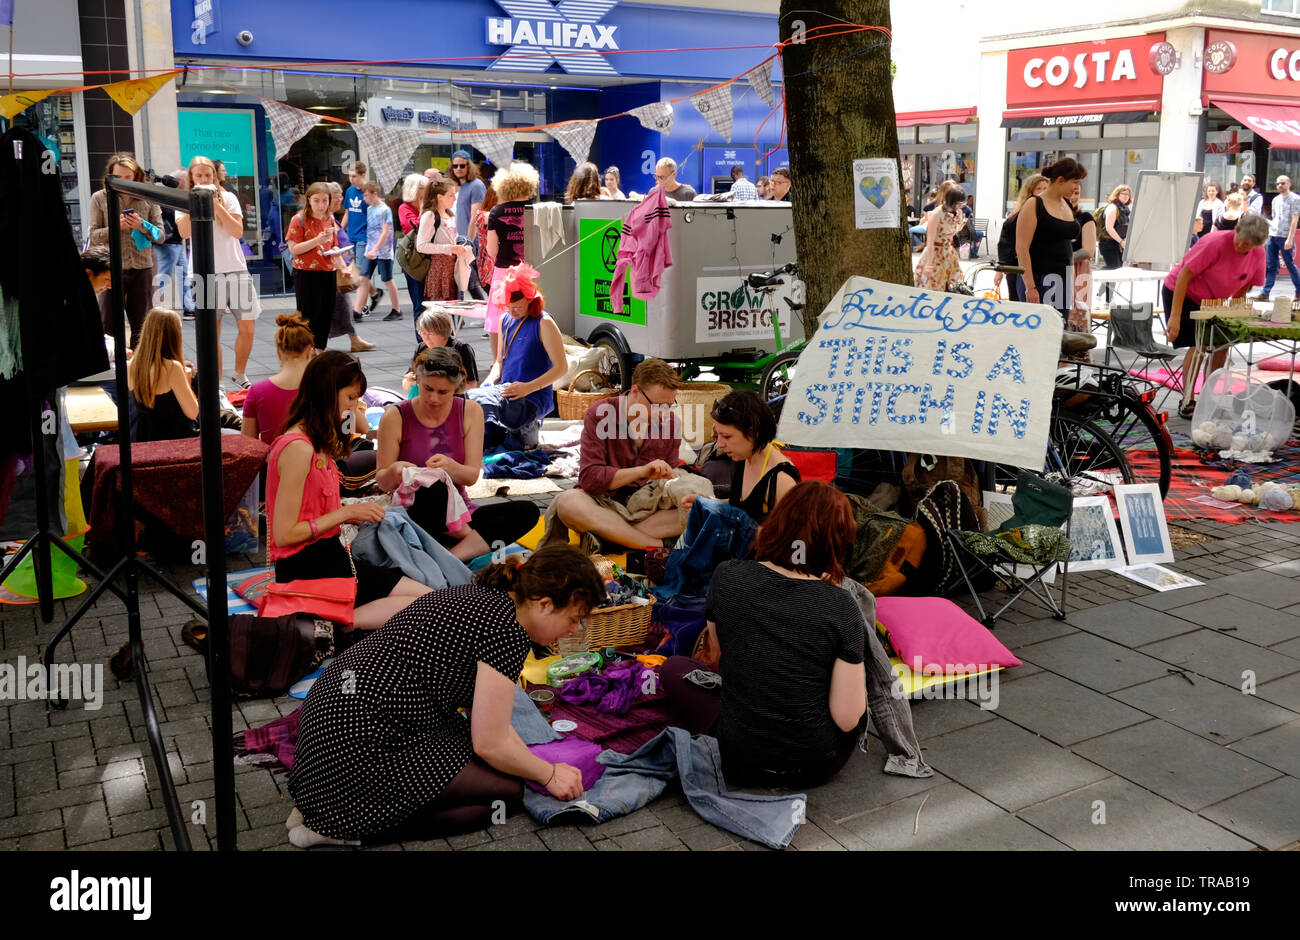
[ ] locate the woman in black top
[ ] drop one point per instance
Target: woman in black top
(791, 648)
(1045, 236)
(1033, 186)
(504, 242)
(163, 404)
(761, 475)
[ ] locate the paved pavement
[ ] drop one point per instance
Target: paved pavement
(1126, 728)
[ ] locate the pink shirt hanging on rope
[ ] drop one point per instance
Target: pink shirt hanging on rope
(644, 249)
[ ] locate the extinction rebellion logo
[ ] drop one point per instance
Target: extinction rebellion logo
(535, 31)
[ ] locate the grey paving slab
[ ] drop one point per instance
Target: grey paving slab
(1129, 623)
(1263, 587)
(1168, 600)
(1284, 692)
(861, 786)
(1289, 648)
(1279, 748)
(1267, 815)
(1176, 764)
(951, 819)
(1254, 623)
(1061, 710)
(1015, 635)
(1206, 708)
(1115, 815)
(1222, 657)
(1089, 660)
(933, 717)
(1008, 765)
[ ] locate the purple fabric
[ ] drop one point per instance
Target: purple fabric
(279, 738)
(576, 753)
(612, 692)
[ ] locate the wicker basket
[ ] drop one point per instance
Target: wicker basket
(696, 401)
(625, 625)
(572, 405)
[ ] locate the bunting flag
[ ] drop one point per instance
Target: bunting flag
(655, 116)
(288, 125)
(7, 13)
(134, 94)
(388, 150)
(715, 105)
(575, 137)
(760, 79)
(20, 101)
(499, 146)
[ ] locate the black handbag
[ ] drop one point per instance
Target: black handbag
(269, 654)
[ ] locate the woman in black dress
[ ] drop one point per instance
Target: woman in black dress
(761, 475)
(383, 752)
(1045, 237)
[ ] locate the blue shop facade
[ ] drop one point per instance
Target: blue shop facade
(371, 63)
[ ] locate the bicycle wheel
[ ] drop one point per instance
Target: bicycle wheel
(778, 374)
(1140, 435)
(1092, 462)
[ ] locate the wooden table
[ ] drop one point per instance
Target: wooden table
(90, 409)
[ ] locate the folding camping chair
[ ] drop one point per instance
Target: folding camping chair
(1020, 560)
(1130, 328)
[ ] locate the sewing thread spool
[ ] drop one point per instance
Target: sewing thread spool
(1281, 310)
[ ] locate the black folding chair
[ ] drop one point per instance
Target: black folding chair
(1130, 328)
(1005, 556)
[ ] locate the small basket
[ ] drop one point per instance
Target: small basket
(571, 405)
(625, 625)
(696, 401)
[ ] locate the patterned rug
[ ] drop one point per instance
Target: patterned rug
(1193, 476)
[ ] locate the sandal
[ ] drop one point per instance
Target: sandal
(121, 663)
(195, 634)
(1186, 411)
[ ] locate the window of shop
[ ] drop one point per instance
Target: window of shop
(53, 122)
(1233, 150)
(1111, 153)
(932, 153)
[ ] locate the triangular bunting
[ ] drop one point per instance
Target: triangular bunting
(760, 79)
(499, 146)
(288, 125)
(133, 95)
(20, 101)
(715, 105)
(575, 137)
(388, 150)
(655, 116)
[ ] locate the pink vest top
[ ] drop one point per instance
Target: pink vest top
(320, 494)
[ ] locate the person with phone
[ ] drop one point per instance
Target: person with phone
(312, 232)
(138, 218)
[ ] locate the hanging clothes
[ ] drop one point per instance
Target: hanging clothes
(644, 249)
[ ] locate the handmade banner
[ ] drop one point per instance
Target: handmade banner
(133, 95)
(760, 79)
(20, 101)
(575, 137)
(388, 150)
(914, 370)
(498, 146)
(288, 125)
(655, 116)
(715, 105)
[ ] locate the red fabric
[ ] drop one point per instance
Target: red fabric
(607, 447)
(408, 217)
(648, 715)
(813, 464)
(320, 495)
(1192, 476)
(302, 229)
(168, 484)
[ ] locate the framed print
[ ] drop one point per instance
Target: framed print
(1094, 540)
(1158, 578)
(1142, 518)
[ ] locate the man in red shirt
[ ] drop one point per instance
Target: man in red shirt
(627, 441)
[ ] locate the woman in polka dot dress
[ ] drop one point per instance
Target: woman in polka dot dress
(383, 753)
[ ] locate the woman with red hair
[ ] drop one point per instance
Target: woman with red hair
(791, 647)
(529, 358)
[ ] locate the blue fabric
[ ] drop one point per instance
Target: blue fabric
(143, 241)
(531, 724)
(524, 359)
(376, 218)
(397, 542)
(169, 261)
(501, 416)
(683, 619)
(1277, 246)
(469, 194)
(519, 464)
(715, 532)
(633, 780)
(355, 201)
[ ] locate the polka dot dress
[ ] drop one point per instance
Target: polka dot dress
(380, 735)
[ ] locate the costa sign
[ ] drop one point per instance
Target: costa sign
(1284, 64)
(1084, 71)
(1251, 65)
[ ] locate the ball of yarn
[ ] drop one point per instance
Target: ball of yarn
(1239, 442)
(1239, 478)
(1249, 497)
(1295, 499)
(1221, 438)
(1200, 438)
(1227, 493)
(1276, 499)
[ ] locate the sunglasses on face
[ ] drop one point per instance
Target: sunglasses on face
(459, 166)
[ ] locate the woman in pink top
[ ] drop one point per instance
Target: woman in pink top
(303, 505)
(268, 401)
(1220, 265)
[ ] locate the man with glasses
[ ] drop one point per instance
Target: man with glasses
(627, 441)
(1285, 210)
(472, 189)
(1252, 198)
(666, 179)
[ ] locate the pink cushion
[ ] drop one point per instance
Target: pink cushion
(1278, 364)
(940, 633)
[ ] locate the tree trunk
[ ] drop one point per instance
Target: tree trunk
(838, 112)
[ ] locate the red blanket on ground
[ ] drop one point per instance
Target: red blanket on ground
(1193, 476)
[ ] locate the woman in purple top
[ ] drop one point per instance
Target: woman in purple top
(442, 430)
(268, 401)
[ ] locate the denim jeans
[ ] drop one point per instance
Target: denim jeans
(918, 235)
(505, 422)
(1272, 250)
(715, 531)
(172, 264)
(633, 780)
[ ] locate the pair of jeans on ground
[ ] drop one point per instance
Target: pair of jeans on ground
(715, 532)
(1277, 246)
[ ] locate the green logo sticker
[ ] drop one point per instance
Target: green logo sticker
(597, 258)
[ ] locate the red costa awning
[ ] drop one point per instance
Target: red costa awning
(1072, 115)
(1279, 124)
(941, 116)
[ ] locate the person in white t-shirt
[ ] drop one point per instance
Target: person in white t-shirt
(232, 289)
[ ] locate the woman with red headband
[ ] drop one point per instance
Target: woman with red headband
(529, 359)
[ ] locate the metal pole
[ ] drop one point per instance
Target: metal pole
(214, 523)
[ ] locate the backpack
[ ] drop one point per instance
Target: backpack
(1099, 216)
(918, 481)
(269, 654)
(414, 263)
(888, 551)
